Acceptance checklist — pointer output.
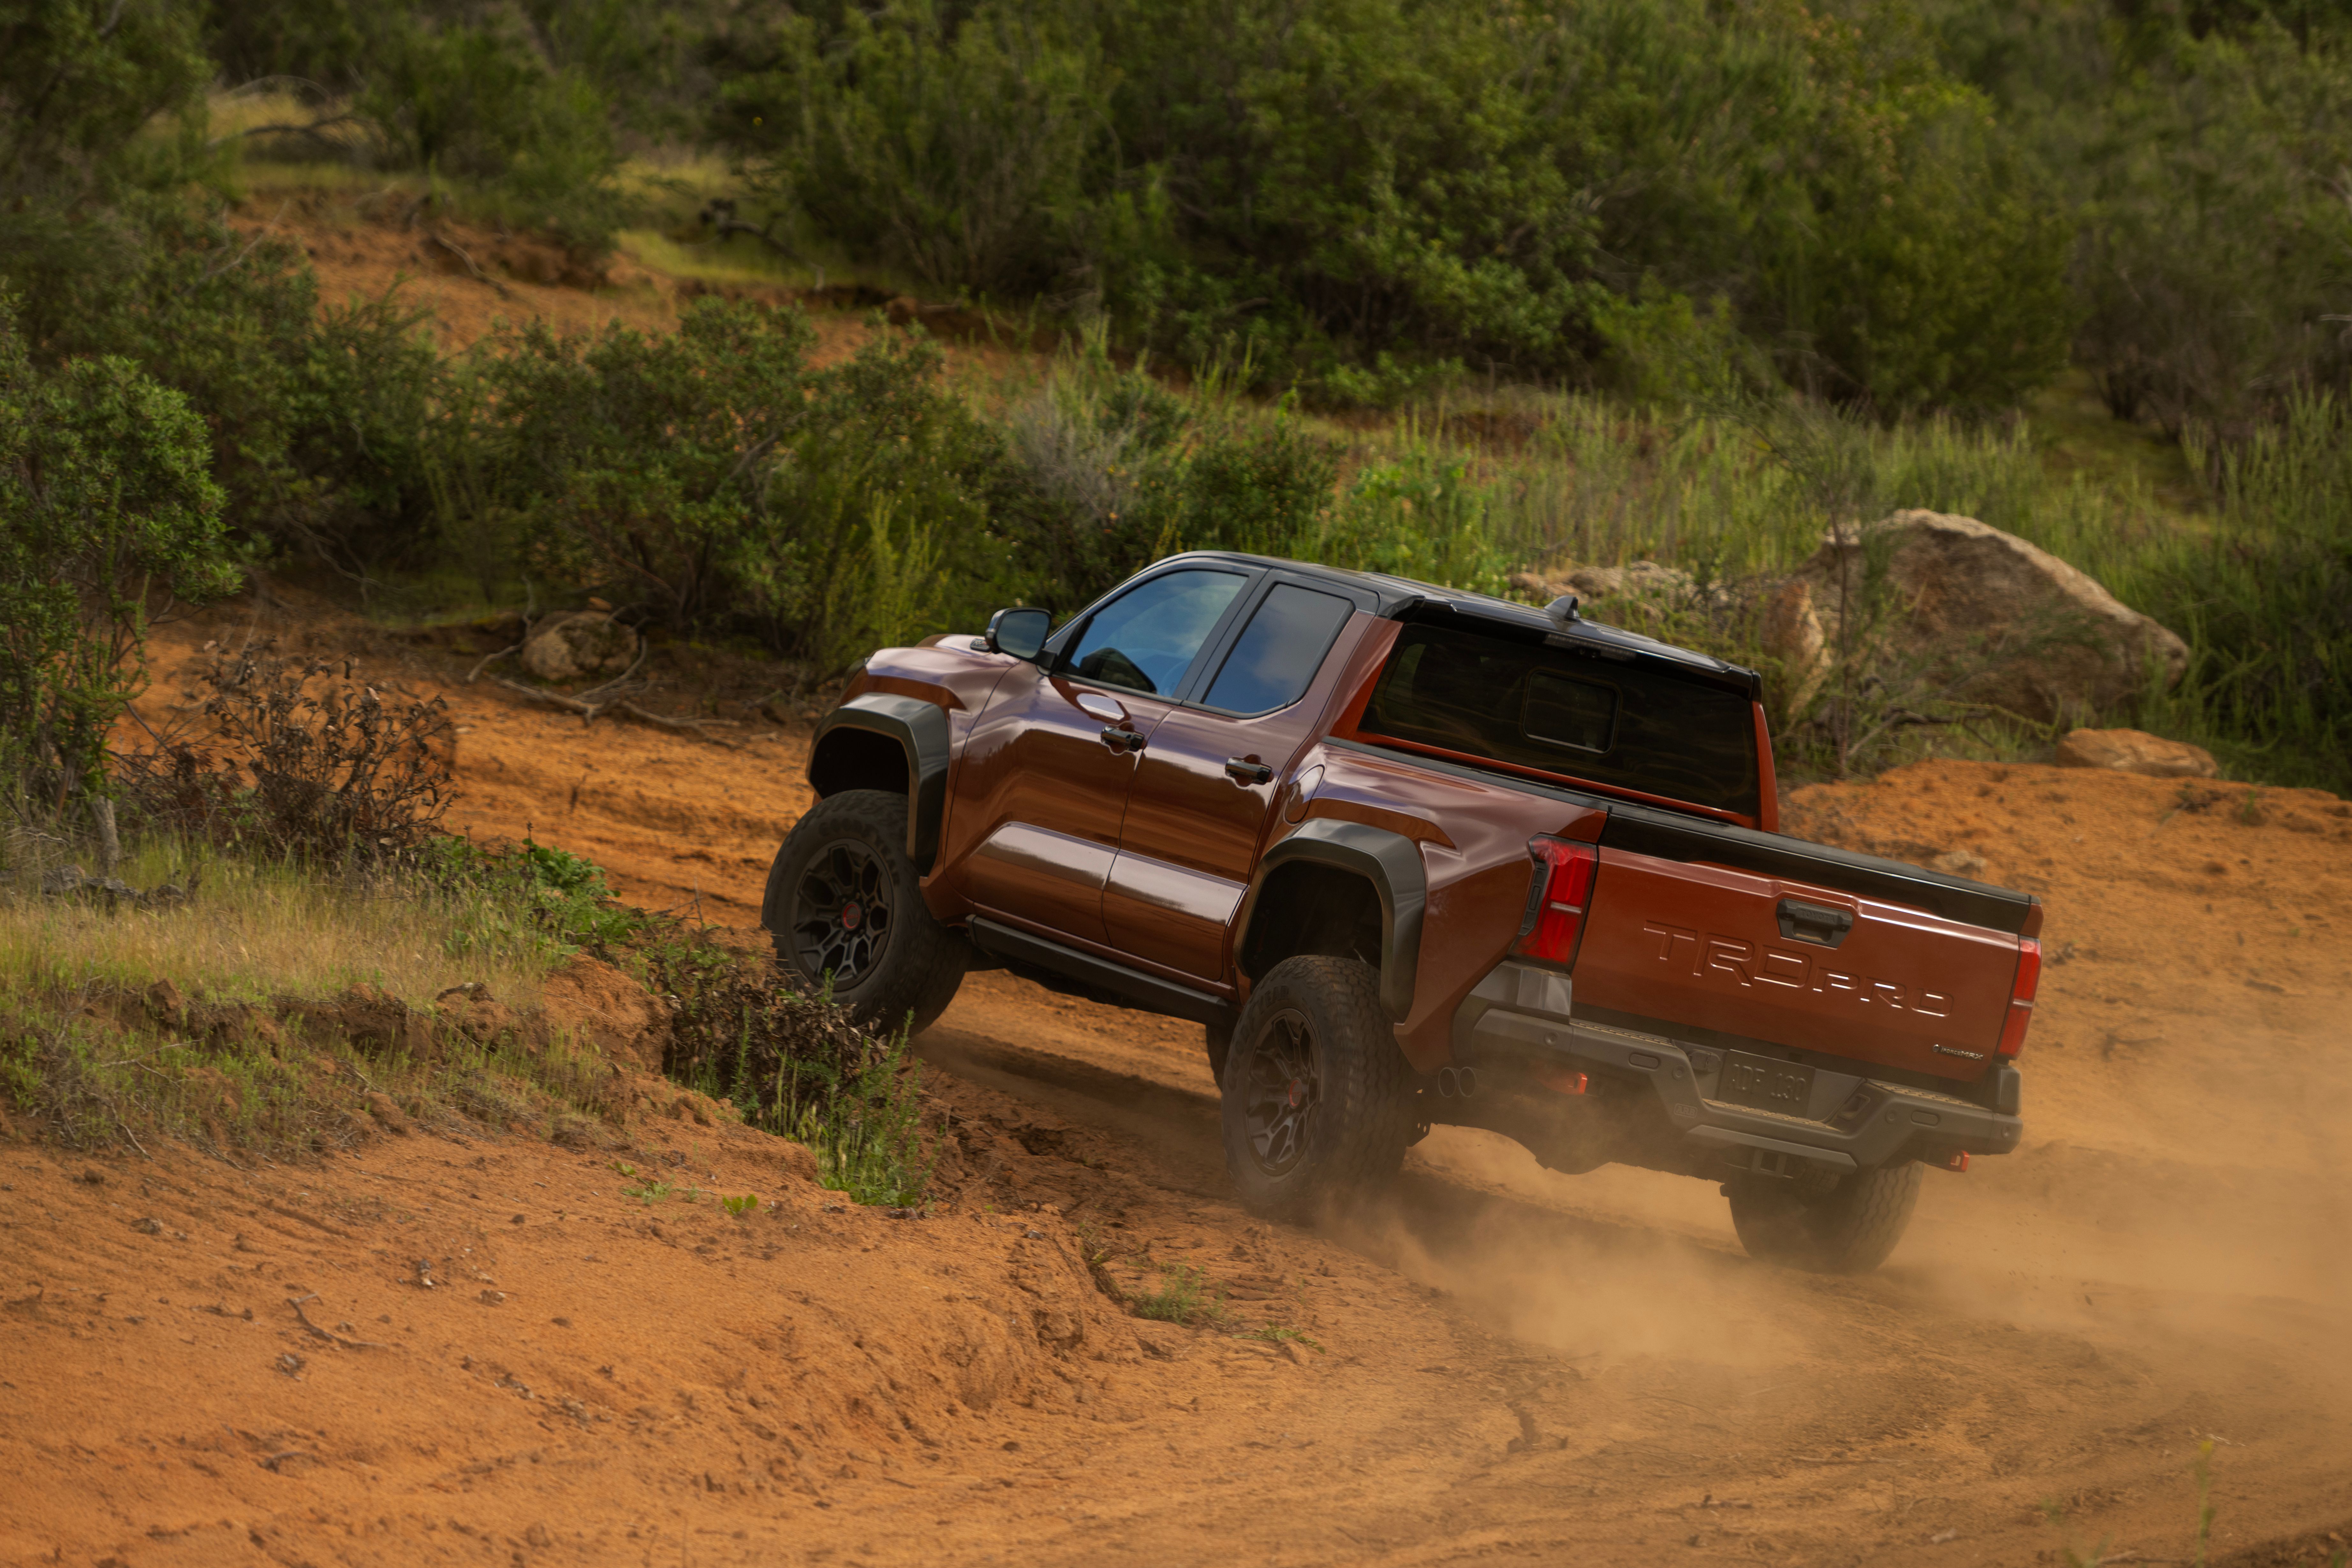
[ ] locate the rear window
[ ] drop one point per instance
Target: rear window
(1569, 712)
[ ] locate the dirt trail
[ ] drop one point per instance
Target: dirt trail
(1508, 1366)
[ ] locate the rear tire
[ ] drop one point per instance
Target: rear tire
(1314, 1099)
(847, 902)
(1849, 1229)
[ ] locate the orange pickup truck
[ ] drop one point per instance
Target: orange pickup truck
(1415, 856)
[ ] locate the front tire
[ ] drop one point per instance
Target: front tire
(1314, 1104)
(846, 902)
(1849, 1229)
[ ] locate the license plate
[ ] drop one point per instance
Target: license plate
(1763, 1084)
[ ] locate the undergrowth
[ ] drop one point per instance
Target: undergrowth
(792, 1063)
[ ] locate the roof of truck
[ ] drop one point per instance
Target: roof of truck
(1403, 598)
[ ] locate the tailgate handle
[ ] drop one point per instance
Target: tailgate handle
(1801, 922)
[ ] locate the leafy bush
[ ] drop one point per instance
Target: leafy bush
(475, 102)
(318, 418)
(711, 476)
(1366, 196)
(947, 143)
(533, 897)
(106, 515)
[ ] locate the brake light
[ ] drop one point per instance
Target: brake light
(2020, 997)
(1557, 896)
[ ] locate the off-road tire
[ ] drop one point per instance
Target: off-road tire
(1849, 1229)
(1341, 1138)
(1221, 1044)
(911, 968)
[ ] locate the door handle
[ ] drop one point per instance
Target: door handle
(1119, 740)
(1248, 772)
(1103, 708)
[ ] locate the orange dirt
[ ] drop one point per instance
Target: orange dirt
(1506, 1365)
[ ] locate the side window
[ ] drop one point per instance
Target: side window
(1146, 639)
(1279, 651)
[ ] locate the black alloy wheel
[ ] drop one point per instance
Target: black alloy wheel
(845, 906)
(1314, 1102)
(842, 910)
(1282, 1084)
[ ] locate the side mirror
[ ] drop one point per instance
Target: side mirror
(1018, 632)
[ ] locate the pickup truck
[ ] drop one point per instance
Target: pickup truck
(1417, 856)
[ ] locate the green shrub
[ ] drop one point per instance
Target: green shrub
(318, 417)
(712, 477)
(106, 515)
(947, 143)
(792, 1063)
(2265, 602)
(477, 102)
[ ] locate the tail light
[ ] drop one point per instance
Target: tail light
(1561, 888)
(2020, 997)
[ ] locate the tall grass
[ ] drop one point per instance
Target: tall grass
(253, 929)
(2260, 585)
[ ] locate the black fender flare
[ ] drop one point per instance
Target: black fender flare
(920, 729)
(1389, 861)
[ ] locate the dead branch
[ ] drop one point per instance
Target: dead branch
(484, 662)
(691, 725)
(454, 248)
(329, 1335)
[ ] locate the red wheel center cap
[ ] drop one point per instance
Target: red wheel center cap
(850, 915)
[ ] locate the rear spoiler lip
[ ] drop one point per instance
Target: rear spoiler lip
(1676, 835)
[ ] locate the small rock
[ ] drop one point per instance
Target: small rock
(1959, 863)
(2136, 752)
(148, 1225)
(387, 1112)
(93, 1176)
(492, 1298)
(59, 880)
(517, 1220)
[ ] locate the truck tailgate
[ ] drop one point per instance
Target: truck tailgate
(1795, 963)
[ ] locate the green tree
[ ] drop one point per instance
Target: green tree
(106, 514)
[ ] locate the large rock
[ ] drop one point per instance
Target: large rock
(569, 647)
(2136, 752)
(1999, 621)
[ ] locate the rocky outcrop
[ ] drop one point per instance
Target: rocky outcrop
(575, 647)
(2136, 752)
(1999, 621)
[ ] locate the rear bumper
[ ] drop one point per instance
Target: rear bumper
(1857, 1122)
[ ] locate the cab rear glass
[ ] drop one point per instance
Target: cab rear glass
(1568, 711)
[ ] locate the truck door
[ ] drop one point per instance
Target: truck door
(1210, 776)
(1044, 780)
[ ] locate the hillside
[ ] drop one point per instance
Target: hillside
(1512, 1365)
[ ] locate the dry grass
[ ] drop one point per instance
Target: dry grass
(87, 1065)
(252, 930)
